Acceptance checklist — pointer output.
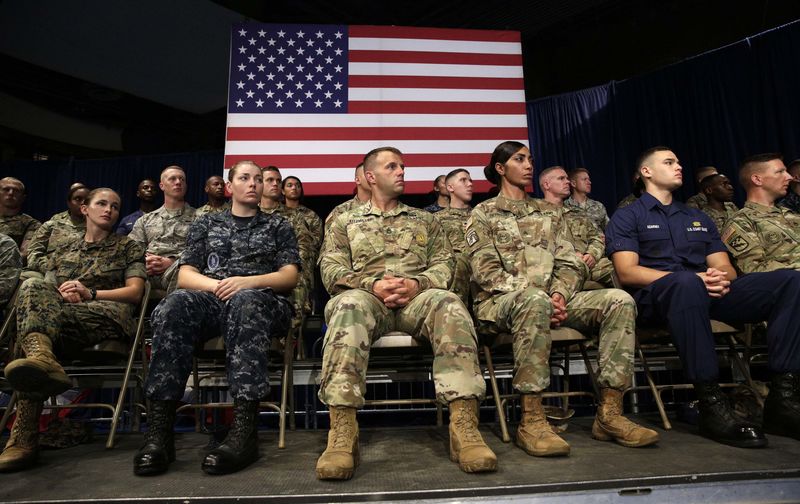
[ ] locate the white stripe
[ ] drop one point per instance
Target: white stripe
(305, 147)
(437, 95)
(424, 45)
(436, 70)
(376, 120)
(413, 173)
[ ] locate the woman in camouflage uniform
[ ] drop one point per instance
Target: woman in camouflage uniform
(89, 293)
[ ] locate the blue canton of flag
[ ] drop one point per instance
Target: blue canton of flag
(288, 69)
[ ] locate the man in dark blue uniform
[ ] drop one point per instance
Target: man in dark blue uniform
(671, 259)
(236, 274)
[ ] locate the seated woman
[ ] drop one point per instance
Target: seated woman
(68, 225)
(89, 294)
(528, 280)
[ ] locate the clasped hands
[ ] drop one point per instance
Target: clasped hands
(73, 291)
(716, 281)
(395, 292)
(156, 265)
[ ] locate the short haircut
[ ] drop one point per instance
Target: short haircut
(209, 179)
(74, 189)
(454, 173)
(755, 164)
(235, 168)
(573, 173)
(171, 167)
(709, 181)
(704, 172)
(359, 167)
(369, 158)
(283, 182)
(646, 154)
(547, 171)
(437, 179)
(14, 181)
(501, 154)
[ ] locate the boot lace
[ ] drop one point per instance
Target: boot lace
(343, 431)
(466, 423)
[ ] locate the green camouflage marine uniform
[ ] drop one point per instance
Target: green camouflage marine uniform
(454, 223)
(363, 246)
(519, 258)
(10, 266)
(762, 238)
(60, 228)
(593, 208)
(348, 205)
(163, 232)
(207, 208)
(19, 227)
(102, 265)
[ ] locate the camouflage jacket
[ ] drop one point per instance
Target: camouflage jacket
(314, 225)
(516, 244)
(791, 201)
(60, 227)
(348, 205)
(700, 202)
(593, 208)
(207, 209)
(720, 216)
(454, 223)
(305, 242)
(579, 230)
(763, 238)
(19, 227)
(163, 232)
(10, 266)
(365, 244)
(627, 200)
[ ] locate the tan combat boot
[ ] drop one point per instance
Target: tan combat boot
(22, 447)
(340, 458)
(467, 447)
(39, 372)
(610, 425)
(534, 434)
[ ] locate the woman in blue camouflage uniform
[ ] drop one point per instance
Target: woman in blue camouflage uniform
(89, 293)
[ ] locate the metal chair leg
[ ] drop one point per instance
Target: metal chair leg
(498, 402)
(654, 389)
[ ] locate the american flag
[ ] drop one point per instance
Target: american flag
(313, 99)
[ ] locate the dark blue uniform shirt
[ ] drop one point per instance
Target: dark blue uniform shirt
(667, 238)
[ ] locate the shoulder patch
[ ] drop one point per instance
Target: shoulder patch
(472, 238)
(738, 243)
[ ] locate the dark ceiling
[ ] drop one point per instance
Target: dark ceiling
(567, 45)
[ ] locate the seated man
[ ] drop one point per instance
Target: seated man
(163, 232)
(581, 184)
(698, 201)
(792, 198)
(454, 221)
(387, 265)
(719, 205)
(235, 274)
(215, 191)
(361, 196)
(672, 260)
(579, 229)
(19, 226)
(762, 236)
(146, 193)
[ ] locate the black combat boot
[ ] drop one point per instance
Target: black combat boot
(240, 448)
(782, 407)
(158, 450)
(718, 422)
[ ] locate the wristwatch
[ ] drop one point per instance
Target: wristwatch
(93, 292)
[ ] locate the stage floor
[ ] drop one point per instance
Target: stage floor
(412, 464)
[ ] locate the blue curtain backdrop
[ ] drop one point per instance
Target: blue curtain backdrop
(713, 109)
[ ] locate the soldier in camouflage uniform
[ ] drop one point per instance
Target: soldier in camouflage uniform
(528, 278)
(89, 294)
(698, 201)
(718, 192)
(580, 230)
(215, 190)
(387, 266)
(581, 184)
(19, 226)
(10, 266)
(453, 220)
(637, 191)
(292, 189)
(762, 236)
(792, 199)
(363, 194)
(235, 274)
(163, 232)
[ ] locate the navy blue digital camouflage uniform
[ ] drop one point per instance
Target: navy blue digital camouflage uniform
(678, 239)
(219, 249)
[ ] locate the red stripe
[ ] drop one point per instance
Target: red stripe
(415, 187)
(444, 58)
(311, 134)
(409, 81)
(408, 32)
(380, 107)
(352, 160)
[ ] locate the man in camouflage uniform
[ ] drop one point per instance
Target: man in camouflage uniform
(527, 279)
(718, 191)
(10, 266)
(762, 236)
(146, 193)
(581, 185)
(235, 275)
(579, 229)
(792, 198)
(19, 226)
(387, 266)
(163, 232)
(698, 201)
(69, 225)
(453, 220)
(215, 191)
(363, 193)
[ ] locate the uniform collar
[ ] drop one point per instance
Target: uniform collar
(649, 201)
(758, 207)
(368, 209)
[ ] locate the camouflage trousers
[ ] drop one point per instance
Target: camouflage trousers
(525, 314)
(167, 281)
(461, 274)
(71, 326)
(603, 272)
(186, 318)
(356, 318)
